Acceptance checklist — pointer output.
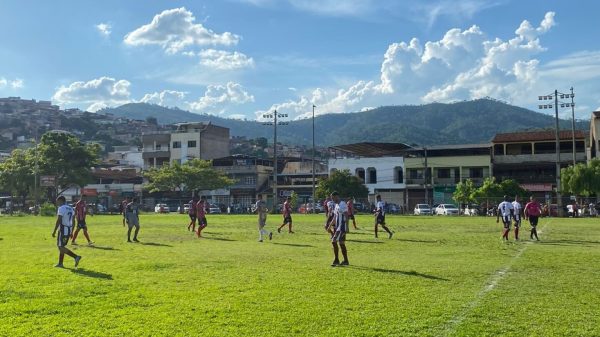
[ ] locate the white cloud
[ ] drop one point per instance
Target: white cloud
(167, 98)
(237, 116)
(15, 84)
(463, 64)
(176, 29)
(224, 60)
(100, 92)
(105, 29)
(218, 98)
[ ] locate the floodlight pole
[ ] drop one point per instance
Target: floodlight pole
(313, 160)
(573, 125)
(275, 199)
(558, 194)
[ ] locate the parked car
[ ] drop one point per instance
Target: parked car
(214, 209)
(393, 208)
(446, 209)
(307, 208)
(186, 208)
(161, 208)
(422, 209)
(359, 207)
(471, 210)
(319, 207)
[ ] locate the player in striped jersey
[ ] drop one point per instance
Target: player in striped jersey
(380, 216)
(287, 215)
(80, 214)
(517, 212)
(192, 211)
(64, 225)
(340, 224)
(201, 215)
(505, 209)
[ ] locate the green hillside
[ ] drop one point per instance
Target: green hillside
(430, 124)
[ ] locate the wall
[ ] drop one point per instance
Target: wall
(384, 167)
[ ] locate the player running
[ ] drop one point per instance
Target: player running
(287, 215)
(506, 210)
(532, 212)
(192, 213)
(133, 219)
(261, 208)
(380, 216)
(64, 225)
(80, 213)
(340, 225)
(201, 215)
(350, 204)
(517, 212)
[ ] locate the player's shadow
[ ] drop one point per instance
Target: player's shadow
(363, 241)
(401, 272)
(103, 248)
(218, 239)
(91, 273)
(569, 242)
(292, 245)
(154, 244)
(420, 241)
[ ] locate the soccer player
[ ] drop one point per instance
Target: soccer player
(201, 215)
(350, 204)
(133, 219)
(329, 208)
(122, 207)
(380, 216)
(517, 212)
(532, 211)
(192, 213)
(261, 208)
(506, 210)
(80, 213)
(64, 225)
(339, 232)
(287, 215)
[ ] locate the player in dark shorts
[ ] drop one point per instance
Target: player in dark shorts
(506, 210)
(80, 215)
(340, 223)
(64, 225)
(380, 217)
(329, 207)
(122, 207)
(532, 212)
(350, 204)
(192, 213)
(287, 215)
(201, 215)
(132, 213)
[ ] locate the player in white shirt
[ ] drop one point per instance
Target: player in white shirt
(380, 217)
(261, 208)
(64, 224)
(505, 209)
(517, 212)
(340, 228)
(329, 209)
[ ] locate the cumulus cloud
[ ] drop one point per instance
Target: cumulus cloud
(463, 64)
(167, 98)
(224, 60)
(218, 98)
(104, 29)
(175, 30)
(16, 83)
(99, 93)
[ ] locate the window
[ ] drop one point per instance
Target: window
(476, 172)
(398, 175)
(250, 180)
(360, 173)
(372, 175)
(191, 143)
(177, 145)
(443, 173)
(499, 149)
(158, 146)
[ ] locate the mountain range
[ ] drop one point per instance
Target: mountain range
(465, 122)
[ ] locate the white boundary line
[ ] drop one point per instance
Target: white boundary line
(452, 324)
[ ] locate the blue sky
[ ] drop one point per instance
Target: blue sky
(240, 58)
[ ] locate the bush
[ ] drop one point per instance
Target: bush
(48, 209)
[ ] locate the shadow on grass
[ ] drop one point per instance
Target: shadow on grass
(401, 272)
(363, 241)
(419, 241)
(292, 245)
(154, 244)
(91, 273)
(568, 242)
(218, 239)
(102, 248)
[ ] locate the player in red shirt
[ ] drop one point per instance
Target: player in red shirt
(192, 213)
(532, 212)
(287, 215)
(350, 205)
(122, 209)
(80, 213)
(201, 215)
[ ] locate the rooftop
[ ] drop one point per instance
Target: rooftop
(534, 136)
(368, 149)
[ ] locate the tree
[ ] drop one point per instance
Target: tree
(512, 188)
(294, 201)
(581, 179)
(465, 192)
(194, 175)
(151, 120)
(17, 174)
(489, 189)
(344, 183)
(64, 156)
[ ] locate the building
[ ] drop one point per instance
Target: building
(296, 176)
(126, 155)
(156, 148)
(433, 172)
(199, 140)
(379, 165)
(530, 157)
(594, 141)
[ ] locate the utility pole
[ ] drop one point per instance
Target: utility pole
(426, 180)
(558, 195)
(35, 183)
(274, 116)
(314, 203)
(573, 125)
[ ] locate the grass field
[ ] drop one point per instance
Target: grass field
(438, 276)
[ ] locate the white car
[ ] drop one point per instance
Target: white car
(446, 209)
(161, 208)
(422, 209)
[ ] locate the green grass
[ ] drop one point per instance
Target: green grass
(438, 276)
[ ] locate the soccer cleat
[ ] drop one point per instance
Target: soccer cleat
(292, 232)
(91, 243)
(335, 263)
(345, 263)
(73, 243)
(271, 236)
(136, 240)
(77, 259)
(278, 230)
(128, 240)
(260, 240)
(391, 234)
(60, 265)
